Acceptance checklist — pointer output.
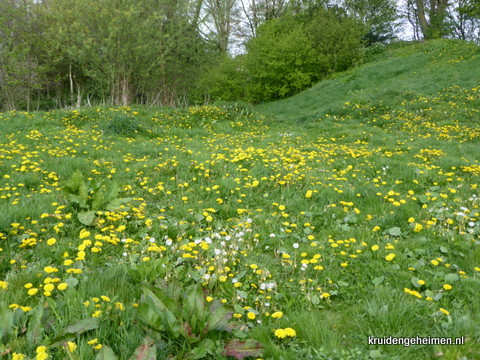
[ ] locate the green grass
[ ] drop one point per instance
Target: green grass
(231, 216)
(398, 74)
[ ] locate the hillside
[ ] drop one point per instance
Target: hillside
(399, 74)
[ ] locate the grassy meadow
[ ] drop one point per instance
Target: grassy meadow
(292, 230)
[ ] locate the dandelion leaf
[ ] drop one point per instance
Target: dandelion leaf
(106, 354)
(86, 217)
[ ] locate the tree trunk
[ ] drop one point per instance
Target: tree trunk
(433, 27)
(422, 19)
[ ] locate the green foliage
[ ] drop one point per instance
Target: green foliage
(224, 81)
(378, 16)
(88, 199)
(281, 60)
(183, 313)
(337, 39)
(288, 55)
(386, 81)
(144, 52)
(106, 353)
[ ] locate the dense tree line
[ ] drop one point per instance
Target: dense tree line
(59, 53)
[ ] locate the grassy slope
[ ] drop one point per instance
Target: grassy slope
(401, 72)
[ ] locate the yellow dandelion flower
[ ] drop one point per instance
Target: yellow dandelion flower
(280, 333)
(71, 346)
(277, 315)
(62, 286)
(32, 291)
(92, 342)
(418, 227)
(444, 311)
(390, 257)
(290, 332)
(50, 269)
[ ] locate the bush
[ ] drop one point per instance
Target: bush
(281, 60)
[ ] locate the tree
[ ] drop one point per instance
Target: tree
(257, 12)
(280, 61)
(125, 51)
(379, 17)
(432, 16)
(222, 14)
(337, 38)
(293, 52)
(21, 69)
(464, 17)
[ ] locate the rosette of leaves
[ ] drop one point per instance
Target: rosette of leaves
(183, 314)
(89, 198)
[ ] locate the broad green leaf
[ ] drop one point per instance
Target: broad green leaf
(193, 307)
(72, 185)
(395, 231)
(105, 353)
(82, 326)
(218, 318)
(207, 346)
(71, 282)
(151, 317)
(449, 278)
(35, 325)
(98, 200)
(378, 280)
(238, 309)
(6, 321)
(159, 307)
(315, 300)
(111, 192)
(242, 294)
(74, 198)
(423, 199)
(116, 203)
(83, 195)
(86, 217)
